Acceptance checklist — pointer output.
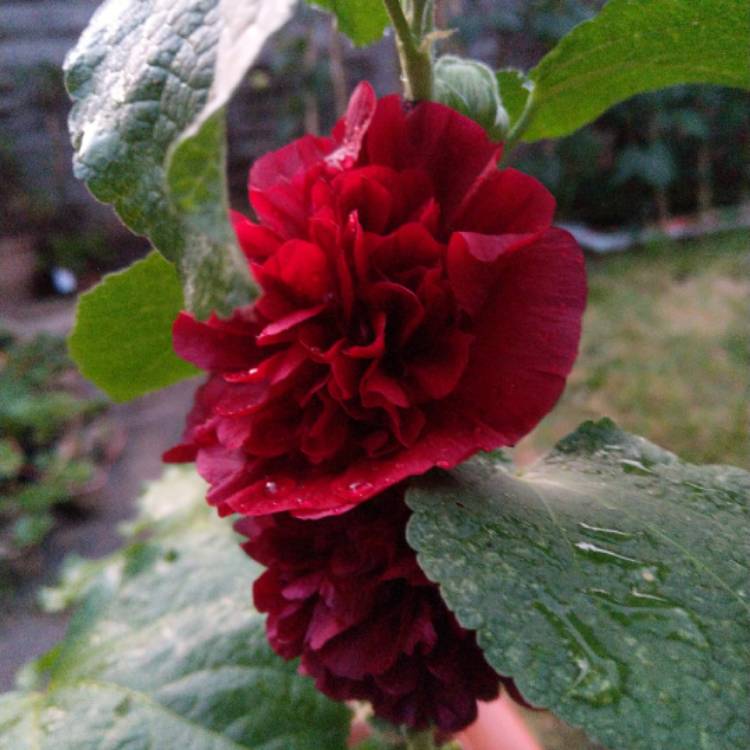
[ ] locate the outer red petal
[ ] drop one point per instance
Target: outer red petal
(451, 148)
(473, 264)
(256, 242)
(215, 345)
(527, 336)
(351, 129)
(280, 167)
(505, 201)
(444, 443)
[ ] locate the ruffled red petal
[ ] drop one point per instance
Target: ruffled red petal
(346, 594)
(415, 307)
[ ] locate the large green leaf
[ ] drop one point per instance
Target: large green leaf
(149, 79)
(363, 21)
(610, 581)
(634, 46)
(165, 651)
(121, 340)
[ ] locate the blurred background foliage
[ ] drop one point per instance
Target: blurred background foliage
(54, 444)
(656, 156)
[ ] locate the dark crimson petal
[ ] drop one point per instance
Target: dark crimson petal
(302, 268)
(371, 200)
(257, 242)
(214, 345)
(505, 201)
(451, 148)
(279, 330)
(283, 165)
(346, 594)
(377, 387)
(278, 184)
(438, 371)
(408, 246)
(453, 436)
(180, 454)
(472, 267)
(527, 336)
(352, 128)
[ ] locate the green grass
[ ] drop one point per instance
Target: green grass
(665, 351)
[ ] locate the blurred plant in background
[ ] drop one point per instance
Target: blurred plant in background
(53, 443)
(682, 150)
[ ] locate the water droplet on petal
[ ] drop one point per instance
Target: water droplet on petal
(359, 488)
(270, 488)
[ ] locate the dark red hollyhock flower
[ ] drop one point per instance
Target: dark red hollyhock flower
(346, 594)
(416, 306)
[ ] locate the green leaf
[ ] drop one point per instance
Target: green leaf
(122, 338)
(149, 79)
(634, 46)
(363, 21)
(165, 651)
(610, 581)
(514, 91)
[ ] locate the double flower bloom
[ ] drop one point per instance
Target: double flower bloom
(416, 307)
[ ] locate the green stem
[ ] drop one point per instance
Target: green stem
(421, 16)
(522, 123)
(421, 740)
(416, 60)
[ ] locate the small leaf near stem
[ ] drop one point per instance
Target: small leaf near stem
(414, 54)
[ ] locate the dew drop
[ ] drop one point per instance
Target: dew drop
(603, 533)
(359, 488)
(270, 488)
(595, 553)
(599, 681)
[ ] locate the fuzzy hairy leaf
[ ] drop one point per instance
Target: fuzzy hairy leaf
(610, 581)
(148, 79)
(165, 651)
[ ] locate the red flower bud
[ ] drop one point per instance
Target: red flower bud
(416, 307)
(346, 594)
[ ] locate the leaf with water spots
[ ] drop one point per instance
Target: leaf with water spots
(611, 581)
(165, 652)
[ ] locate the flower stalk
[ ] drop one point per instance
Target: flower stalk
(414, 46)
